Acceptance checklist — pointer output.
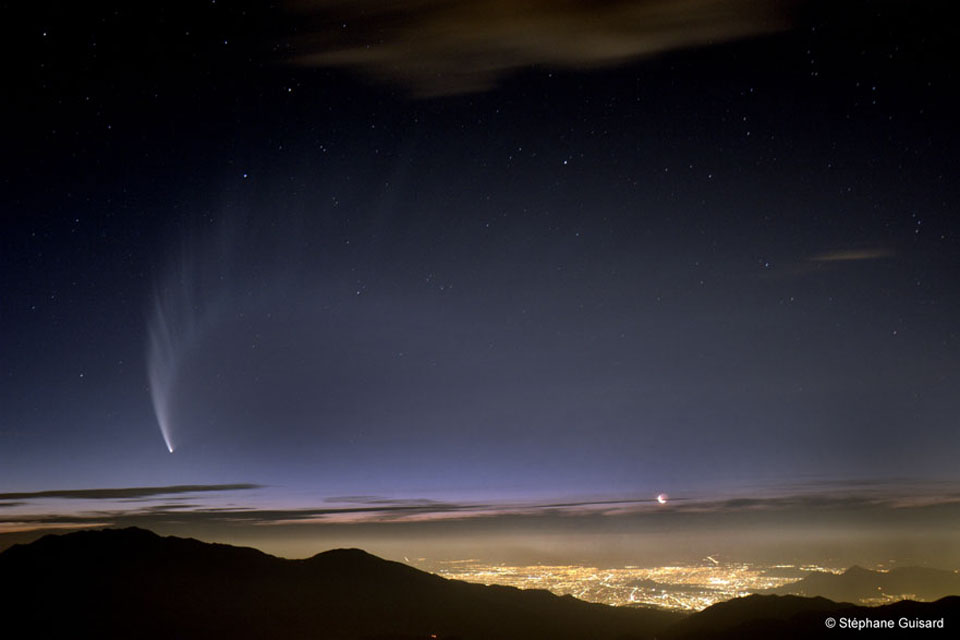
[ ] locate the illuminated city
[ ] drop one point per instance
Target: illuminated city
(682, 586)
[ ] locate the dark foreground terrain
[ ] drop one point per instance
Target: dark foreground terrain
(857, 584)
(133, 583)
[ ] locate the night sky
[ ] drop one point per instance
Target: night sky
(450, 271)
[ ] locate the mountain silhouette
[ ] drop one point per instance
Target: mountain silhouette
(861, 585)
(132, 583)
(795, 618)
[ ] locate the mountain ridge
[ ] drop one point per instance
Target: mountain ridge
(131, 582)
(188, 588)
(860, 585)
(796, 617)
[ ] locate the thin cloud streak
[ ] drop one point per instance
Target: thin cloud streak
(852, 255)
(123, 493)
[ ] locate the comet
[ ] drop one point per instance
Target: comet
(173, 326)
(162, 368)
(192, 300)
(230, 284)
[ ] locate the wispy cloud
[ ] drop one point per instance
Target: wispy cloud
(374, 510)
(852, 255)
(126, 492)
(437, 47)
(8, 527)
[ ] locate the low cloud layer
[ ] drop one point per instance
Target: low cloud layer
(383, 510)
(861, 523)
(437, 47)
(123, 493)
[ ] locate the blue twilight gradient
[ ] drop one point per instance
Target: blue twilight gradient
(708, 273)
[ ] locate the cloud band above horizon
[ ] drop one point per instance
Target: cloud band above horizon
(126, 492)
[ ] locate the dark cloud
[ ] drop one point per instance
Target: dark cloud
(127, 492)
(802, 502)
(378, 500)
(440, 47)
(161, 514)
(371, 510)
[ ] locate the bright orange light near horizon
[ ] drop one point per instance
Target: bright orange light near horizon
(662, 498)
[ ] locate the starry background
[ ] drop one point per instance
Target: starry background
(716, 270)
